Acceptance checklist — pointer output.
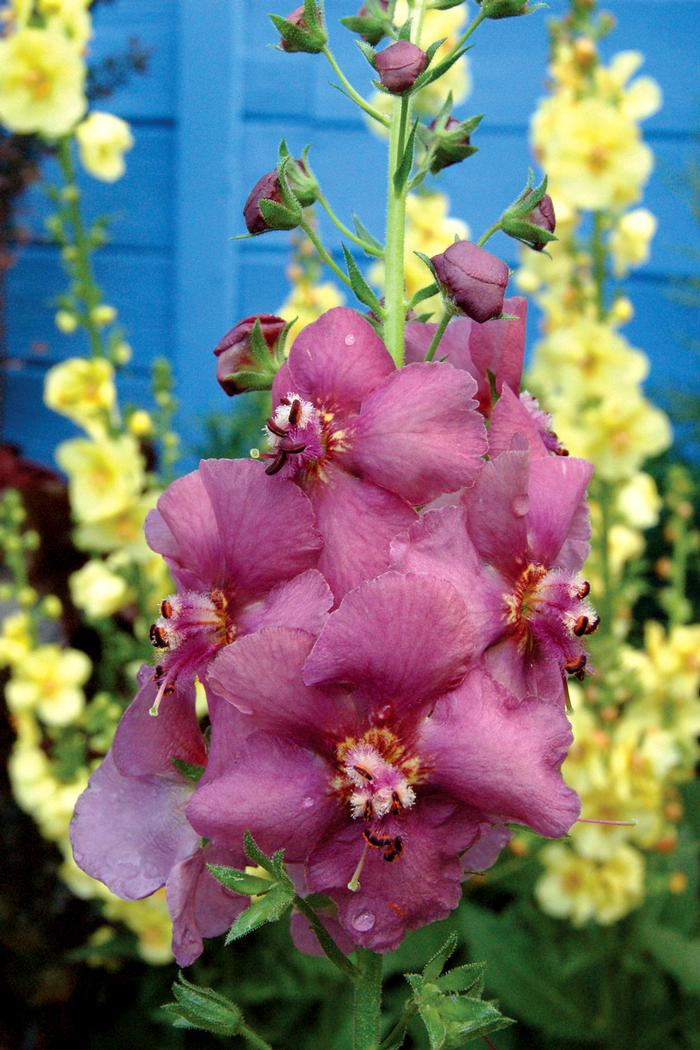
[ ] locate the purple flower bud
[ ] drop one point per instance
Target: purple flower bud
(543, 216)
(266, 188)
(374, 28)
(296, 18)
(233, 351)
(473, 279)
(399, 66)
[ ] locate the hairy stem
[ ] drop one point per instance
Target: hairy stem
(395, 318)
(368, 1001)
(325, 255)
(440, 331)
(354, 95)
(329, 946)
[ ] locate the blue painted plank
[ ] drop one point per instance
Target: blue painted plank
(154, 24)
(138, 284)
(141, 203)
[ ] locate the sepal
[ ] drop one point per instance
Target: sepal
(530, 218)
(303, 30)
(508, 8)
(203, 1009)
(271, 897)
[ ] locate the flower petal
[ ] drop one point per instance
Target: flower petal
(508, 418)
(497, 506)
(419, 434)
(501, 755)
(303, 602)
(129, 832)
(338, 360)
(556, 490)
(199, 905)
(358, 521)
(276, 790)
(145, 745)
(394, 638)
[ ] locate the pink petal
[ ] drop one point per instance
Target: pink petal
(199, 905)
(358, 521)
(276, 790)
(439, 544)
(306, 941)
(502, 756)
(397, 638)
(229, 731)
(556, 491)
(129, 832)
(261, 675)
(508, 418)
(421, 886)
(146, 745)
(497, 509)
(419, 434)
(499, 346)
(532, 673)
(487, 848)
(338, 360)
(183, 529)
(303, 602)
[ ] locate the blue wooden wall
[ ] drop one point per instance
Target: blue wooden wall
(207, 119)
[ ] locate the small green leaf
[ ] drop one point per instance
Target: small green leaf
(362, 231)
(269, 908)
(469, 978)
(359, 285)
(434, 967)
(240, 881)
(403, 171)
(188, 769)
(425, 293)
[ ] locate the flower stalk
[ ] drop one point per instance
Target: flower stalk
(368, 1001)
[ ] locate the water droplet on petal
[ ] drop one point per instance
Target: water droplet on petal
(521, 505)
(307, 802)
(385, 713)
(363, 921)
(350, 340)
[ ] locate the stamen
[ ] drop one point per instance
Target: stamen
(396, 806)
(363, 772)
(354, 883)
(581, 626)
(157, 636)
(611, 823)
(295, 412)
(285, 401)
(274, 429)
(293, 449)
(576, 665)
(584, 590)
(277, 463)
(166, 609)
(593, 626)
(163, 690)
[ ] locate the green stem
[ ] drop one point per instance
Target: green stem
(678, 605)
(396, 1036)
(86, 286)
(395, 318)
(252, 1038)
(489, 233)
(368, 1001)
(346, 967)
(355, 238)
(325, 255)
(440, 331)
(599, 264)
(354, 95)
(465, 35)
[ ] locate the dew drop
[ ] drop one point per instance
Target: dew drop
(350, 340)
(385, 713)
(363, 921)
(307, 802)
(521, 505)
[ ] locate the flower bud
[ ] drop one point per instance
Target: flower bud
(530, 218)
(264, 210)
(507, 8)
(238, 354)
(542, 215)
(302, 30)
(370, 22)
(452, 142)
(472, 279)
(399, 66)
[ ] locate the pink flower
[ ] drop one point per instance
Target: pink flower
(238, 550)
(368, 442)
(521, 415)
(376, 762)
(514, 548)
(129, 829)
(497, 346)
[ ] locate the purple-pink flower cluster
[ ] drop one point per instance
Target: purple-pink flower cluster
(383, 610)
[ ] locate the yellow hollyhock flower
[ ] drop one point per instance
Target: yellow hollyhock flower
(639, 502)
(103, 139)
(121, 532)
(50, 683)
(97, 591)
(70, 16)
(42, 82)
(105, 476)
(83, 390)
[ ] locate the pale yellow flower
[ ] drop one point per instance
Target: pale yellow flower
(122, 532)
(639, 502)
(103, 139)
(50, 683)
(83, 390)
(307, 301)
(97, 591)
(586, 359)
(70, 16)
(42, 82)
(15, 638)
(630, 240)
(105, 476)
(149, 920)
(581, 890)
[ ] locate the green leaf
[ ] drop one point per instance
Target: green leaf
(254, 852)
(468, 1019)
(678, 955)
(468, 978)
(425, 293)
(240, 881)
(188, 769)
(403, 171)
(362, 231)
(359, 285)
(278, 217)
(435, 965)
(435, 72)
(269, 908)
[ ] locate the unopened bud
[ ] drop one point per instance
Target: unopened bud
(239, 367)
(472, 280)
(452, 142)
(140, 424)
(302, 30)
(103, 314)
(585, 52)
(542, 215)
(507, 8)
(66, 321)
(370, 22)
(678, 882)
(399, 66)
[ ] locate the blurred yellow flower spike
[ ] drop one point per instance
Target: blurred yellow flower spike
(84, 391)
(42, 82)
(580, 889)
(103, 139)
(70, 16)
(97, 591)
(631, 239)
(15, 638)
(105, 476)
(50, 683)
